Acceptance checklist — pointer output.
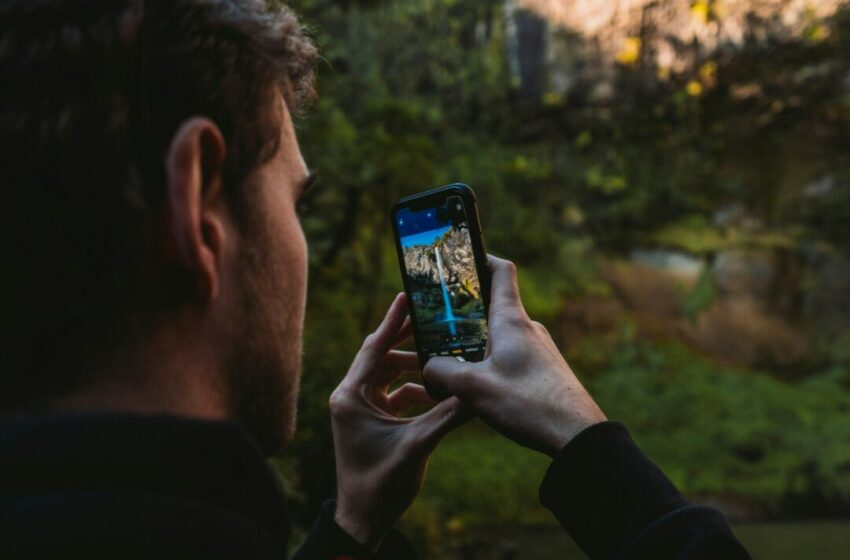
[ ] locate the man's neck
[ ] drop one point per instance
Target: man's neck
(163, 375)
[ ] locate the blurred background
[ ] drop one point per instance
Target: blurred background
(672, 178)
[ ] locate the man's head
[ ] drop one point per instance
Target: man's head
(149, 177)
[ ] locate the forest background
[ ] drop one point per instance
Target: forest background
(672, 178)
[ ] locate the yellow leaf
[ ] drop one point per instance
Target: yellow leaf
(818, 33)
(631, 51)
(520, 163)
(694, 88)
(455, 525)
(701, 10)
(708, 70)
(551, 98)
(574, 215)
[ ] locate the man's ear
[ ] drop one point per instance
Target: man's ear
(195, 217)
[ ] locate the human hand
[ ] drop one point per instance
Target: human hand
(523, 388)
(380, 457)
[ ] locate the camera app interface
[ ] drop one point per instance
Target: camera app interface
(443, 281)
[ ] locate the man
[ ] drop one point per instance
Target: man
(153, 299)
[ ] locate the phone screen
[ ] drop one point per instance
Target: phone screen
(442, 280)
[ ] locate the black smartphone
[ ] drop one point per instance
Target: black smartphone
(444, 269)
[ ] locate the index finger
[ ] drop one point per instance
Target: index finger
(377, 344)
(404, 332)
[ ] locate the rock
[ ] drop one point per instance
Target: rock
(740, 273)
(589, 315)
(459, 270)
(752, 320)
(646, 290)
(741, 331)
(677, 263)
(821, 187)
(736, 216)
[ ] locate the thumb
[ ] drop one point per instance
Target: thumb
(504, 290)
(446, 373)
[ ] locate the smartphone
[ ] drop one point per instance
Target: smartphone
(444, 269)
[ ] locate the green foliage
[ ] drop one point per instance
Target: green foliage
(760, 439)
(418, 93)
(695, 235)
(714, 431)
(478, 481)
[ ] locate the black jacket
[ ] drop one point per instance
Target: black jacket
(124, 486)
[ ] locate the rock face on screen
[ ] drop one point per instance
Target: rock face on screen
(458, 263)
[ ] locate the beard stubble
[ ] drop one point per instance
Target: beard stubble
(263, 362)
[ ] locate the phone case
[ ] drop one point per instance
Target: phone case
(434, 198)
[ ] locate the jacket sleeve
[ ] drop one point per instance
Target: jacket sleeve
(616, 503)
(328, 541)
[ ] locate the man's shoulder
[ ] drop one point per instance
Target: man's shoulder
(121, 524)
(138, 486)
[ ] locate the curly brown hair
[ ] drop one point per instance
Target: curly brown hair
(92, 93)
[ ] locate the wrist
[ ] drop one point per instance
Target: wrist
(358, 529)
(563, 433)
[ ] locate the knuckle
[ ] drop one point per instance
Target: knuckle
(333, 400)
(407, 388)
(519, 321)
(370, 340)
(339, 401)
